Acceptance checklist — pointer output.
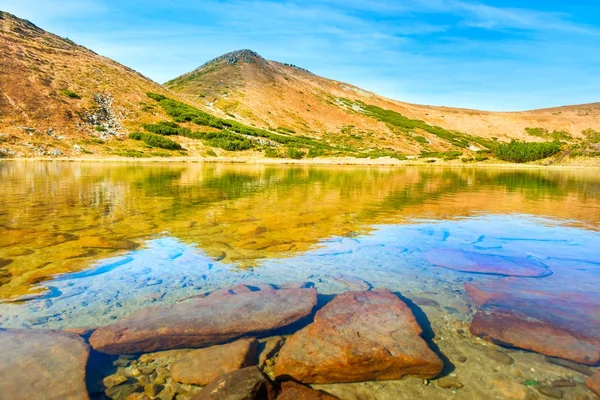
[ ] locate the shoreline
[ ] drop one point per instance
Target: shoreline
(381, 162)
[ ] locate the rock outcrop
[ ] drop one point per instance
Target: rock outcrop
(358, 336)
(200, 367)
(42, 364)
(548, 316)
(206, 321)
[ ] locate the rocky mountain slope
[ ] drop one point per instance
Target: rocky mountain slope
(59, 98)
(290, 99)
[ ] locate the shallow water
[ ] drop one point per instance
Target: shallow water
(82, 245)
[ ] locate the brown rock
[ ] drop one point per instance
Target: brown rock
(244, 384)
(205, 321)
(593, 383)
(271, 347)
(42, 364)
(294, 391)
(359, 336)
(481, 263)
(199, 367)
(511, 390)
(548, 316)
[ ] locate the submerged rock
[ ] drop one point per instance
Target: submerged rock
(480, 263)
(244, 384)
(593, 383)
(207, 321)
(548, 316)
(294, 391)
(358, 336)
(42, 364)
(199, 367)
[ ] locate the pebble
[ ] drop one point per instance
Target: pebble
(122, 391)
(113, 380)
(462, 359)
(500, 357)
(449, 383)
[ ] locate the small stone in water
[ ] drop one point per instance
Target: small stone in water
(449, 383)
(462, 359)
(500, 357)
(114, 380)
(550, 392)
(122, 391)
(561, 383)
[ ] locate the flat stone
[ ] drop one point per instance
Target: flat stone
(449, 383)
(593, 383)
(244, 384)
(199, 367)
(206, 321)
(358, 336)
(37, 364)
(294, 391)
(552, 316)
(480, 263)
(563, 383)
(499, 356)
(114, 380)
(551, 392)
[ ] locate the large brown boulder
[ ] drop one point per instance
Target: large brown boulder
(42, 364)
(358, 336)
(199, 367)
(593, 382)
(244, 384)
(480, 263)
(554, 316)
(206, 321)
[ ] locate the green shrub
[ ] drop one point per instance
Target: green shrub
(132, 154)
(155, 141)
(591, 135)
(481, 158)
(446, 155)
(154, 96)
(70, 94)
(211, 153)
(271, 152)
(295, 154)
(543, 133)
(408, 125)
(99, 128)
(313, 152)
(521, 152)
(167, 129)
(467, 160)
(225, 140)
(421, 139)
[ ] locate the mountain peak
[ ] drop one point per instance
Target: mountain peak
(236, 57)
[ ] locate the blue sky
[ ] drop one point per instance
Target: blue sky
(487, 54)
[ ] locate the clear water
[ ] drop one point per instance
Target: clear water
(82, 245)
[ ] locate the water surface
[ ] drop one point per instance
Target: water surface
(83, 244)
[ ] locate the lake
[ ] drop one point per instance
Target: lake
(83, 245)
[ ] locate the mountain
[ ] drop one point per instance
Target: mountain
(59, 98)
(289, 99)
